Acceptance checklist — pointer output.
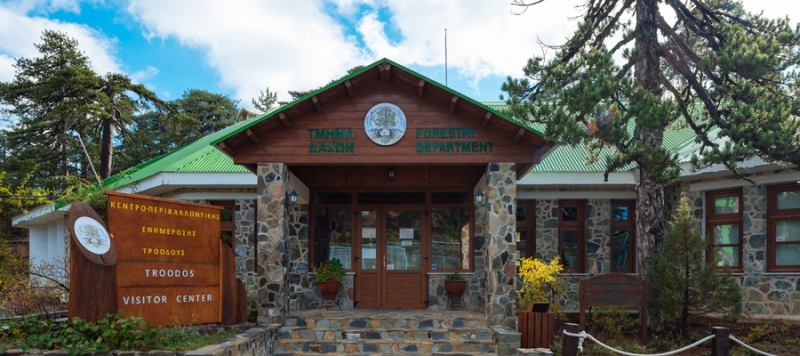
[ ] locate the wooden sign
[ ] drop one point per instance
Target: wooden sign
(91, 270)
(169, 257)
(614, 290)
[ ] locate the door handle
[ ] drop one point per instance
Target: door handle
(384, 261)
(358, 257)
(425, 257)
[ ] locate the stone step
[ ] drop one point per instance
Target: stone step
(328, 334)
(386, 354)
(388, 322)
(383, 346)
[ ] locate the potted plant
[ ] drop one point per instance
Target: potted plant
(455, 285)
(329, 275)
(541, 284)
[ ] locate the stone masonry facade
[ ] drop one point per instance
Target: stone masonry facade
(765, 294)
(272, 229)
(500, 250)
(245, 247)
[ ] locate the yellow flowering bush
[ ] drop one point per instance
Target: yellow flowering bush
(541, 281)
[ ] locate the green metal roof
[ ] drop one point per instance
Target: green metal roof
(573, 158)
(273, 113)
(197, 157)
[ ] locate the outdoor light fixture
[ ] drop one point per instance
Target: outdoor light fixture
(292, 199)
(391, 175)
(479, 196)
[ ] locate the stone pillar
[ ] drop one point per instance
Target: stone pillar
(272, 232)
(500, 233)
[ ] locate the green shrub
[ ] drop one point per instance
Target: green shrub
(454, 277)
(252, 315)
(683, 283)
(612, 322)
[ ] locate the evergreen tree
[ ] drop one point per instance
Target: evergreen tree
(213, 112)
(115, 97)
(683, 283)
(266, 101)
(718, 67)
(52, 99)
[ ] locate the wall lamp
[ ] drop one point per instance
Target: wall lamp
(391, 175)
(479, 196)
(292, 199)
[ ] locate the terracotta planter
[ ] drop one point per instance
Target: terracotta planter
(329, 289)
(455, 289)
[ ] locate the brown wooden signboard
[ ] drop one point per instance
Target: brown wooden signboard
(169, 256)
(617, 290)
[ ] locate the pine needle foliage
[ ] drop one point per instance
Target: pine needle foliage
(683, 283)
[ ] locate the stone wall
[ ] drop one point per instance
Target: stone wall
(501, 268)
(272, 229)
(437, 295)
(245, 247)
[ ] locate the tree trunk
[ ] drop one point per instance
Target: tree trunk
(107, 148)
(649, 194)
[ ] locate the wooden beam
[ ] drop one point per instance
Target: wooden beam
(486, 119)
(453, 102)
(519, 134)
(421, 88)
(316, 103)
(349, 89)
(229, 150)
(388, 73)
(383, 74)
(252, 137)
(285, 121)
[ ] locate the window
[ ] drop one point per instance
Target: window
(526, 218)
(724, 226)
(450, 238)
(333, 236)
(571, 232)
(783, 233)
(227, 220)
(623, 236)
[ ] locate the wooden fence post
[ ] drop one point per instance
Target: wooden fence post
(571, 342)
(721, 343)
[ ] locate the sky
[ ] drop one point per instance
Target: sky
(240, 47)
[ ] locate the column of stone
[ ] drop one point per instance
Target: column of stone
(273, 229)
(501, 268)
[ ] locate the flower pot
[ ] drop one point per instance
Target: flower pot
(455, 289)
(329, 289)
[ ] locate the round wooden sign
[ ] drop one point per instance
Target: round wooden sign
(90, 234)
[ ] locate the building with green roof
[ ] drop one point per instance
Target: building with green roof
(364, 154)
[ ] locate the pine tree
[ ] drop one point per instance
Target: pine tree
(266, 101)
(52, 100)
(213, 111)
(683, 283)
(719, 70)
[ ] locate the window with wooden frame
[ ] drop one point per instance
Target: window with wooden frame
(783, 232)
(623, 236)
(332, 224)
(227, 220)
(526, 227)
(571, 234)
(724, 226)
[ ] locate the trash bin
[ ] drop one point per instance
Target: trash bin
(536, 326)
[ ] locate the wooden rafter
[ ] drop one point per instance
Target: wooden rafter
(421, 88)
(252, 136)
(486, 119)
(542, 152)
(384, 75)
(229, 150)
(388, 73)
(349, 87)
(519, 134)
(316, 103)
(453, 103)
(285, 120)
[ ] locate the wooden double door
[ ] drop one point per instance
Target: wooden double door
(391, 257)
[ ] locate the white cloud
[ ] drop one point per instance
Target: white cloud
(19, 30)
(145, 74)
(253, 44)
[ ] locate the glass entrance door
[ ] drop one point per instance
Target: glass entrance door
(393, 258)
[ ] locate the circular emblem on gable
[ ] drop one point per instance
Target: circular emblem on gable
(92, 235)
(385, 124)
